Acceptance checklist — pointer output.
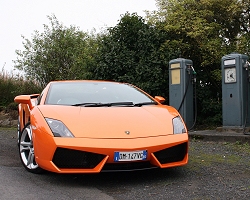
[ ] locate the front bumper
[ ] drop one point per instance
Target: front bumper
(86, 155)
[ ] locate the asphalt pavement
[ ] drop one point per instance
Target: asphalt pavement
(216, 170)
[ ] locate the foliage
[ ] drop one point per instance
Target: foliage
(57, 53)
(204, 31)
(138, 51)
(244, 36)
(131, 52)
(12, 85)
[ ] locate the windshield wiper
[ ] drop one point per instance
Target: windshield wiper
(104, 104)
(83, 104)
(145, 103)
(115, 104)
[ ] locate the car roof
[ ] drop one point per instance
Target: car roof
(98, 81)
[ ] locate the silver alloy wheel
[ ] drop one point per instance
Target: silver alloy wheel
(26, 149)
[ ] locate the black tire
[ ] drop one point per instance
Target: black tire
(26, 150)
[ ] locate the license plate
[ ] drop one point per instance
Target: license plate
(130, 156)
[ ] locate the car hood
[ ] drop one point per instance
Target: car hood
(113, 122)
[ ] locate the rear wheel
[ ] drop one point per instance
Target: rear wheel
(26, 150)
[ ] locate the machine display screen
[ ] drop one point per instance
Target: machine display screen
(175, 73)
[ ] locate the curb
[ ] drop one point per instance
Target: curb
(213, 135)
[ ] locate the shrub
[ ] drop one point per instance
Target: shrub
(12, 85)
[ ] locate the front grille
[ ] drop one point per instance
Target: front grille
(131, 166)
(69, 158)
(172, 154)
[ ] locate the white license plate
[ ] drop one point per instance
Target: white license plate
(130, 156)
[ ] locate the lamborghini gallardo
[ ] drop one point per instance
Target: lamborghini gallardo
(98, 126)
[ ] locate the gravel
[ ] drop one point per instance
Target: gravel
(216, 170)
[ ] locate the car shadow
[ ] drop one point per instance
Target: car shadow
(117, 179)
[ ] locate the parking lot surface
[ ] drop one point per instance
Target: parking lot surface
(216, 170)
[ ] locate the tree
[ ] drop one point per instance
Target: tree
(57, 53)
(131, 52)
(244, 20)
(203, 31)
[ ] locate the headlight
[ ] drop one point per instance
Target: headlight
(58, 128)
(178, 126)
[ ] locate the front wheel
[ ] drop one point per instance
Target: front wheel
(26, 150)
(18, 130)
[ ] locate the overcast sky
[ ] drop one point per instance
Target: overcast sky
(23, 17)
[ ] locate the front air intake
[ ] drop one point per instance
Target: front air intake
(173, 154)
(74, 159)
(129, 166)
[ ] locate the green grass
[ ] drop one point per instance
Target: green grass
(8, 128)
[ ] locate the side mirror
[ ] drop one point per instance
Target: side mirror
(160, 99)
(26, 99)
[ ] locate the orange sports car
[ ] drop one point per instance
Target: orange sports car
(97, 126)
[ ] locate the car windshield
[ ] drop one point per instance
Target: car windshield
(91, 94)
